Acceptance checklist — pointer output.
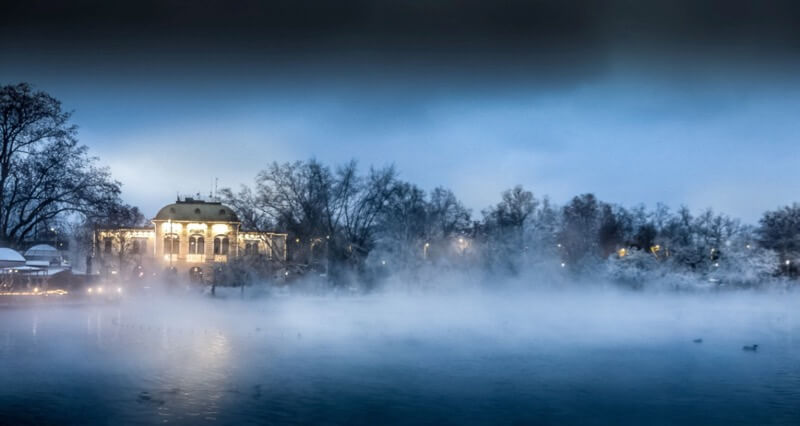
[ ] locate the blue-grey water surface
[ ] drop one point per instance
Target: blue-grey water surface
(413, 359)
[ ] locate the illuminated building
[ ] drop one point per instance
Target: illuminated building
(190, 237)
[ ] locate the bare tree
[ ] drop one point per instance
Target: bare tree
(318, 207)
(45, 174)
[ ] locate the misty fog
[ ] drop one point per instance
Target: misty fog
(480, 355)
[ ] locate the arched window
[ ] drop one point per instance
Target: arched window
(197, 244)
(251, 247)
(221, 244)
(172, 244)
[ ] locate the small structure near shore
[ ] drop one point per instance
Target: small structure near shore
(10, 258)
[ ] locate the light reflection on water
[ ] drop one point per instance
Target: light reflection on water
(363, 361)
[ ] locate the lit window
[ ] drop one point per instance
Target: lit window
(197, 244)
(172, 244)
(221, 244)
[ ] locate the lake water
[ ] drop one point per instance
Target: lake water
(511, 358)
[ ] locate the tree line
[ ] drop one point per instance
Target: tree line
(352, 225)
(347, 224)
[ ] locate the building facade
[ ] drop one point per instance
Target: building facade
(189, 238)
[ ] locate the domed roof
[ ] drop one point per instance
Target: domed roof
(42, 250)
(10, 255)
(197, 210)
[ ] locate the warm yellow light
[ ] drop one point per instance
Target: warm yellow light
(89, 289)
(100, 289)
(219, 228)
(171, 228)
(36, 289)
(622, 252)
(33, 293)
(197, 227)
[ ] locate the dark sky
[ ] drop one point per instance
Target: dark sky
(687, 102)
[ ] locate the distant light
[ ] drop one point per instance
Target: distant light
(788, 262)
(383, 262)
(113, 272)
(36, 289)
(563, 265)
(286, 273)
(119, 289)
(100, 289)
(716, 265)
(89, 289)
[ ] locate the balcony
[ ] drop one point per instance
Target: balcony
(195, 258)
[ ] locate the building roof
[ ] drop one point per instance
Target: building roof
(197, 210)
(44, 250)
(10, 255)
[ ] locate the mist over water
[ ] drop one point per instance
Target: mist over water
(484, 355)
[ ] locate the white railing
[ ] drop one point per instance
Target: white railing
(195, 258)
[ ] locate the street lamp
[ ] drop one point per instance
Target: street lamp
(425, 250)
(171, 243)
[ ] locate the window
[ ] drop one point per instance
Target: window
(107, 245)
(139, 246)
(251, 248)
(197, 244)
(172, 244)
(221, 244)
